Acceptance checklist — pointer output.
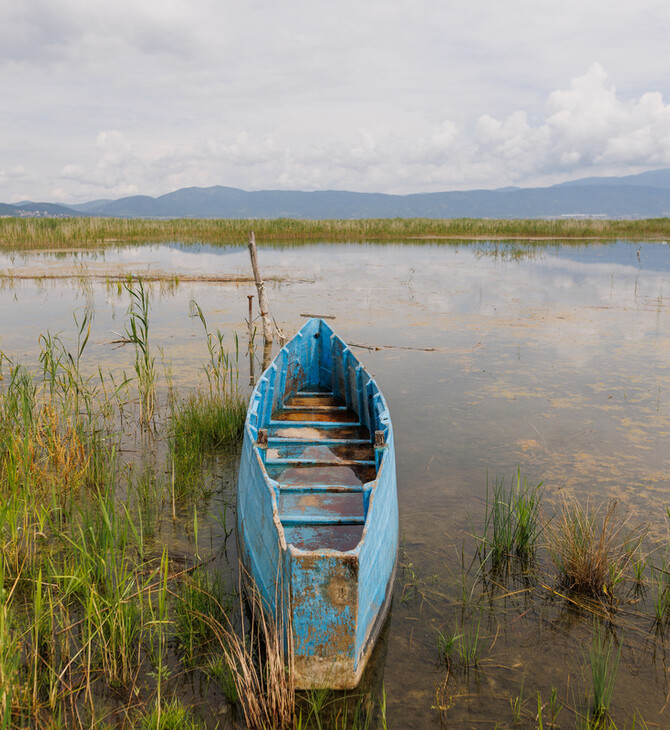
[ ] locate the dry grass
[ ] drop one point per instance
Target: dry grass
(260, 657)
(48, 452)
(592, 547)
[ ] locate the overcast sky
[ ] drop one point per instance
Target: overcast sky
(106, 98)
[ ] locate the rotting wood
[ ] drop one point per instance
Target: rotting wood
(250, 297)
(268, 326)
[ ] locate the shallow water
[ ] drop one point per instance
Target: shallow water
(551, 359)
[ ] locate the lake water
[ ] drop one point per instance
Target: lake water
(551, 359)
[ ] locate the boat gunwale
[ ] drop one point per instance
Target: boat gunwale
(274, 486)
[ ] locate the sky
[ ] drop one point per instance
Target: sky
(108, 98)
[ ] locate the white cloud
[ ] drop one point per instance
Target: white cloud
(400, 96)
(585, 126)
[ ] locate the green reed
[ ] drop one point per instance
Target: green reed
(171, 715)
(159, 625)
(323, 709)
(18, 233)
(137, 331)
(512, 523)
(201, 423)
(86, 603)
(200, 596)
(149, 491)
(603, 667)
(468, 643)
(207, 420)
(217, 669)
(221, 371)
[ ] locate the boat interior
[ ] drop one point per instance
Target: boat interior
(321, 457)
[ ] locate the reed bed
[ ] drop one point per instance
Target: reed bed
(260, 657)
(105, 617)
(30, 233)
(93, 607)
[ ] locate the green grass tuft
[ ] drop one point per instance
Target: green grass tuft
(512, 521)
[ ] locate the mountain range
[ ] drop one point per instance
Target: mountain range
(646, 195)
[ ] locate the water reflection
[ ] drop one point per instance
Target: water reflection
(553, 358)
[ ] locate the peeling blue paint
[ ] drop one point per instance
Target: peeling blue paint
(317, 506)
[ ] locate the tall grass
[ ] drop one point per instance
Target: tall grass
(512, 523)
(260, 656)
(202, 425)
(207, 420)
(87, 596)
(137, 331)
(19, 233)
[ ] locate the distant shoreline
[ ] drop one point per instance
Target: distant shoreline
(61, 233)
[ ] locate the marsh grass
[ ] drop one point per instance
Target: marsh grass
(137, 331)
(593, 547)
(260, 657)
(172, 715)
(461, 647)
(325, 709)
(201, 595)
(202, 424)
(512, 522)
(89, 621)
(217, 669)
(21, 233)
(208, 419)
(548, 712)
(604, 664)
(592, 551)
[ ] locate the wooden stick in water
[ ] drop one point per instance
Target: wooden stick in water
(268, 326)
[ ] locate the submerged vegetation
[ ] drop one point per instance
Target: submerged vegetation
(26, 233)
(582, 566)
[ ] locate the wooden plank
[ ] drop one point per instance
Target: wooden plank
(312, 424)
(315, 488)
(299, 519)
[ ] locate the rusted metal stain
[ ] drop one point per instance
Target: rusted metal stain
(308, 475)
(320, 468)
(324, 537)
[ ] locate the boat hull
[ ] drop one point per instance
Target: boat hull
(309, 552)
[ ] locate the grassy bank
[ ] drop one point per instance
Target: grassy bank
(27, 233)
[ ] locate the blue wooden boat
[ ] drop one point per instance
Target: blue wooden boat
(317, 510)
